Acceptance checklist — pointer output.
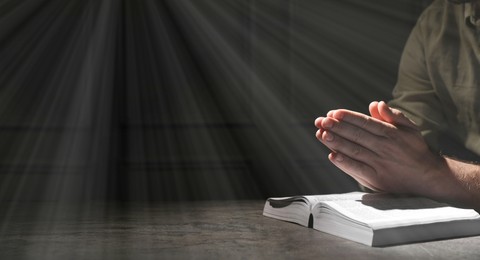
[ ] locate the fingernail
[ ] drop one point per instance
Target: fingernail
(330, 113)
(328, 136)
(338, 115)
(318, 121)
(328, 123)
(383, 103)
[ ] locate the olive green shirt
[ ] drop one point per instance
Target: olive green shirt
(439, 75)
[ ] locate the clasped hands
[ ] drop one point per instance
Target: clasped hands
(384, 151)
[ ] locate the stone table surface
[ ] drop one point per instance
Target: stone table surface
(188, 230)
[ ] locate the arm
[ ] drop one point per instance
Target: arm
(386, 152)
(414, 93)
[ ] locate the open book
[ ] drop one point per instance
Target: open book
(376, 219)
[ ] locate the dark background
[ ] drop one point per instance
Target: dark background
(183, 99)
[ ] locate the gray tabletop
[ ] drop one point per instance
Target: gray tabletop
(198, 230)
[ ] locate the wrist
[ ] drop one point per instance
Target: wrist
(452, 182)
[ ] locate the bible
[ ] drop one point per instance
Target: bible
(376, 219)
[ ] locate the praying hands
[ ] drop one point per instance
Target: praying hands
(386, 152)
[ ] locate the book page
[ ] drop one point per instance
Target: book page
(294, 209)
(280, 202)
(314, 199)
(380, 211)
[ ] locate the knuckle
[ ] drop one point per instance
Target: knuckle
(335, 145)
(366, 122)
(358, 135)
(391, 134)
(387, 150)
(356, 152)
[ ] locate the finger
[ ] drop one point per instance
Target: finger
(394, 116)
(319, 134)
(373, 108)
(361, 172)
(353, 133)
(344, 146)
(367, 123)
(318, 122)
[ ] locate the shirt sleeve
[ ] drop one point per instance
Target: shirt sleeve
(414, 93)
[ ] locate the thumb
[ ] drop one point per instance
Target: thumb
(394, 116)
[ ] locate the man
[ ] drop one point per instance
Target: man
(395, 149)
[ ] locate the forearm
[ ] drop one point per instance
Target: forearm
(460, 184)
(451, 181)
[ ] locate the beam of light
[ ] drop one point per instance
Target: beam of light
(56, 107)
(182, 99)
(251, 64)
(197, 67)
(271, 73)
